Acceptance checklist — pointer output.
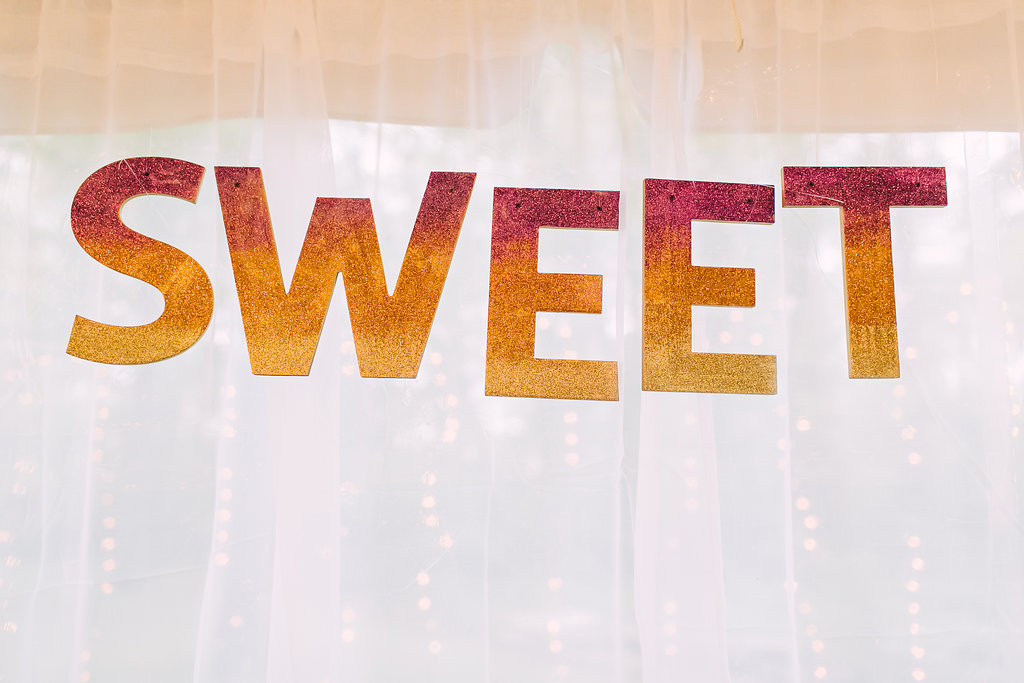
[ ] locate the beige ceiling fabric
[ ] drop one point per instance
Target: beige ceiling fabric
(807, 65)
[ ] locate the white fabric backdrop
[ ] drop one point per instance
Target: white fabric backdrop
(188, 521)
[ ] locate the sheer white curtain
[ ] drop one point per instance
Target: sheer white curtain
(186, 520)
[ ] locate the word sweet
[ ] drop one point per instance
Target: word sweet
(282, 327)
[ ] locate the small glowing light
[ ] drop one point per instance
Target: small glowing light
(107, 544)
(107, 499)
(10, 627)
(914, 542)
(451, 401)
(810, 544)
(966, 288)
(85, 656)
(802, 503)
(810, 630)
(84, 677)
(908, 433)
(348, 369)
(803, 424)
(917, 563)
(107, 588)
(554, 627)
(225, 494)
(913, 586)
(571, 439)
(435, 358)
(446, 541)
(811, 522)
(221, 559)
(434, 647)
(918, 652)
(820, 672)
(428, 502)
(555, 646)
(691, 482)
(222, 536)
(348, 635)
(756, 339)
(224, 515)
(914, 458)
(565, 331)
(235, 621)
(109, 565)
(671, 650)
(725, 337)
(899, 391)
(348, 615)
(431, 520)
(572, 458)
(570, 418)
(914, 608)
(226, 473)
(918, 675)
(817, 646)
(952, 317)
(227, 431)
(423, 604)
(429, 478)
(554, 584)
(691, 504)
(669, 628)
(670, 607)
(911, 352)
(805, 608)
(229, 391)
(423, 578)
(915, 628)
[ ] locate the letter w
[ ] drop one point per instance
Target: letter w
(390, 332)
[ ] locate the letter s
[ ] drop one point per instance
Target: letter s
(188, 295)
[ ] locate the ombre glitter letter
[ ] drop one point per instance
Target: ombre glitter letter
(672, 285)
(865, 195)
(390, 331)
(518, 292)
(96, 223)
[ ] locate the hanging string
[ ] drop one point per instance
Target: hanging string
(736, 25)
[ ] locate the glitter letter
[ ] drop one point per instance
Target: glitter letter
(518, 292)
(672, 285)
(188, 296)
(865, 195)
(390, 331)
